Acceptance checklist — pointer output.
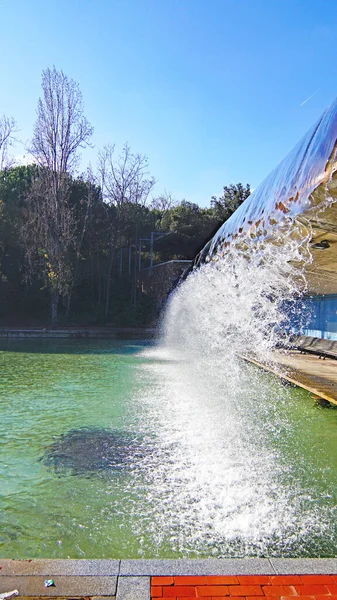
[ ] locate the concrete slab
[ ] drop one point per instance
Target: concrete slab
(51, 567)
(303, 566)
(212, 566)
(33, 585)
(304, 370)
(133, 588)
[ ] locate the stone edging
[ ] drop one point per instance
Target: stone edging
(130, 579)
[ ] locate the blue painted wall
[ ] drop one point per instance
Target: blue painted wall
(316, 316)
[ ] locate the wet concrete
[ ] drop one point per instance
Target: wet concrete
(308, 371)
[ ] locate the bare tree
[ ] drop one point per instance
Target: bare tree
(124, 179)
(49, 240)
(61, 129)
(163, 202)
(7, 131)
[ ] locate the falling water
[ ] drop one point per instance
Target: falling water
(218, 481)
(221, 479)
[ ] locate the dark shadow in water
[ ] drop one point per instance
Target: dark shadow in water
(93, 451)
(10, 533)
(74, 346)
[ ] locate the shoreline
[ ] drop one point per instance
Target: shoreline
(77, 333)
(139, 579)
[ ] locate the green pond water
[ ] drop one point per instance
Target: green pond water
(111, 449)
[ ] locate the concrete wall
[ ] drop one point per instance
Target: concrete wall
(77, 333)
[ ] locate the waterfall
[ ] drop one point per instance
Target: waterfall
(229, 476)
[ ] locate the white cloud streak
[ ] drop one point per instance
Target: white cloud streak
(309, 98)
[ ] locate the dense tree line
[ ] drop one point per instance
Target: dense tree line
(72, 247)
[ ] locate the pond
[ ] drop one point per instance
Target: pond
(115, 449)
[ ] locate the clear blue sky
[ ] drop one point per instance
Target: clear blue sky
(212, 91)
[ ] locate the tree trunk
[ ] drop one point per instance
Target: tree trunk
(112, 256)
(53, 308)
(107, 298)
(68, 304)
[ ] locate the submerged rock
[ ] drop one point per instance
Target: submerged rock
(323, 403)
(93, 450)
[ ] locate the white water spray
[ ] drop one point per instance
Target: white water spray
(228, 475)
(216, 483)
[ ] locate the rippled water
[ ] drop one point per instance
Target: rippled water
(201, 469)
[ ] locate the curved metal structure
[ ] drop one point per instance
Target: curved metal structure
(291, 189)
(297, 200)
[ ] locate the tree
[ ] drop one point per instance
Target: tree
(15, 183)
(7, 130)
(191, 228)
(48, 234)
(84, 197)
(163, 202)
(61, 129)
(125, 180)
(232, 197)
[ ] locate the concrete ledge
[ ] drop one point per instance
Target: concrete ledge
(131, 579)
(79, 334)
(52, 567)
(211, 566)
(108, 568)
(65, 585)
(304, 566)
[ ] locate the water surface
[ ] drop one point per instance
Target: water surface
(185, 466)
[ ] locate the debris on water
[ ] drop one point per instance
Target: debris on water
(6, 595)
(49, 583)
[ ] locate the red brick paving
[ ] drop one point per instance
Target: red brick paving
(245, 587)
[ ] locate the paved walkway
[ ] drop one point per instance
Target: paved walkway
(308, 371)
(250, 587)
(252, 579)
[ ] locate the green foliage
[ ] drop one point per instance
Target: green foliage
(104, 236)
(233, 196)
(14, 186)
(76, 245)
(191, 228)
